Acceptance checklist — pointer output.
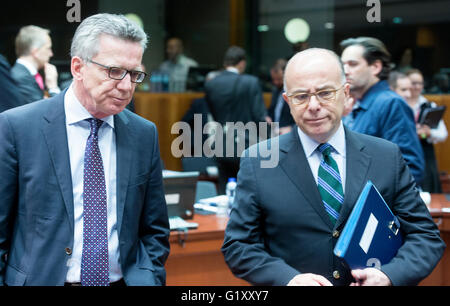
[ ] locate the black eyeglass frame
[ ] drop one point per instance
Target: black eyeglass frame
(124, 73)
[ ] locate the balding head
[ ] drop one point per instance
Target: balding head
(316, 92)
(315, 57)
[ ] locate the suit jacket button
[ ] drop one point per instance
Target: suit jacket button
(68, 251)
(336, 234)
(336, 274)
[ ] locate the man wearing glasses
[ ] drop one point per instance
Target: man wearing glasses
(81, 192)
(286, 220)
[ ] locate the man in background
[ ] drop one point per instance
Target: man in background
(377, 110)
(9, 92)
(34, 50)
(401, 84)
(234, 96)
(279, 109)
(177, 65)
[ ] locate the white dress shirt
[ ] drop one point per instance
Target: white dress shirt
(337, 141)
(232, 69)
(78, 130)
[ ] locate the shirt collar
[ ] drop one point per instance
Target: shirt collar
(233, 69)
(75, 111)
(337, 141)
(28, 65)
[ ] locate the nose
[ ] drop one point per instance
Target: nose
(313, 104)
(125, 84)
(346, 69)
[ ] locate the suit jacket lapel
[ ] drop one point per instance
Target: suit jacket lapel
(55, 134)
(297, 168)
(357, 166)
(123, 154)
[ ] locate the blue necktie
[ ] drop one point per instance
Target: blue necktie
(94, 261)
(329, 183)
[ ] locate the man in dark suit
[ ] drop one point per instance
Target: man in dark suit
(81, 190)
(283, 225)
(234, 96)
(9, 93)
(34, 50)
(279, 110)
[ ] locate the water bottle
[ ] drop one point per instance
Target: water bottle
(165, 82)
(230, 191)
(159, 82)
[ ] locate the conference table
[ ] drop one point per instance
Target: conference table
(440, 211)
(196, 260)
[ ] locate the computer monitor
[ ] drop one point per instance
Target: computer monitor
(197, 76)
(179, 189)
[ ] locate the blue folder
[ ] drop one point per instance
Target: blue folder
(371, 236)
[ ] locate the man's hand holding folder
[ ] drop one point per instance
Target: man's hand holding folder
(371, 235)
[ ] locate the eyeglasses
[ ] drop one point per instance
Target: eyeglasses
(117, 73)
(323, 96)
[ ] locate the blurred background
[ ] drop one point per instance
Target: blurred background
(415, 32)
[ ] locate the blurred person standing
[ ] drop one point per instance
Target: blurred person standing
(81, 189)
(428, 136)
(9, 92)
(441, 84)
(378, 111)
(177, 65)
(401, 84)
(279, 110)
(234, 96)
(34, 50)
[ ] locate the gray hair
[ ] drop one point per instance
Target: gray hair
(86, 38)
(330, 52)
(30, 37)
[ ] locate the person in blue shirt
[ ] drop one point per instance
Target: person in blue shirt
(377, 110)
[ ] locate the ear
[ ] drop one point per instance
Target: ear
(77, 66)
(376, 67)
(285, 97)
(241, 66)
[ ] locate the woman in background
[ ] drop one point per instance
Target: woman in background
(428, 136)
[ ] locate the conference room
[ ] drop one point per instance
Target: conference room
(213, 82)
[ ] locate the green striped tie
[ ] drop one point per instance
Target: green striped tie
(329, 183)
